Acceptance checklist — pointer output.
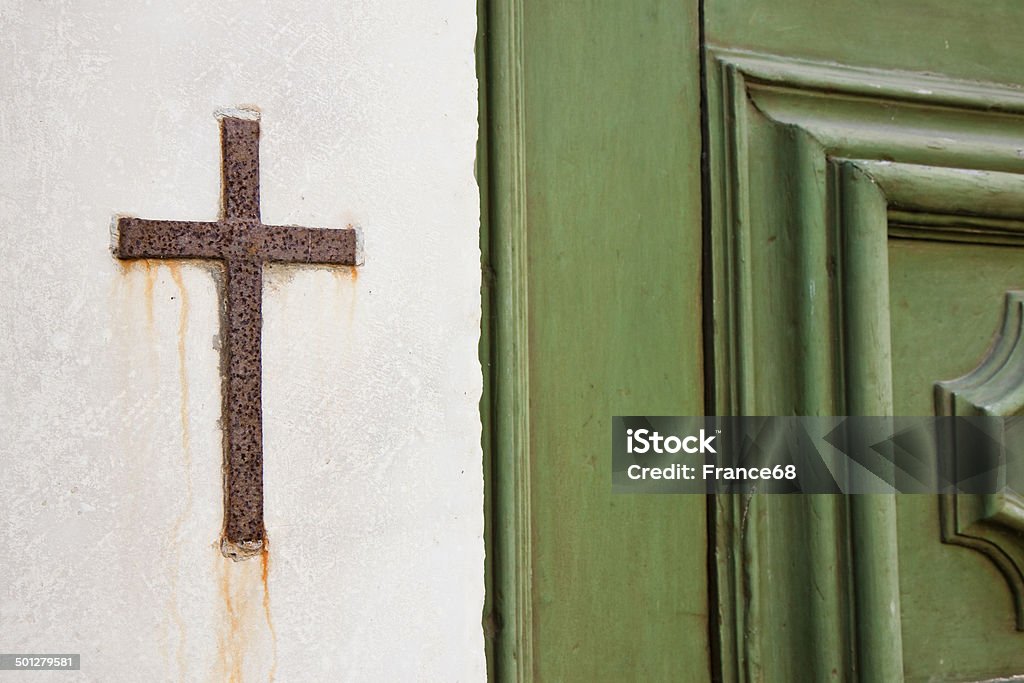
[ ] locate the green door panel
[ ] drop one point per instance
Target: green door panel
(595, 244)
(947, 303)
(866, 222)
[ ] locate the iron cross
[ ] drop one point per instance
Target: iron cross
(243, 244)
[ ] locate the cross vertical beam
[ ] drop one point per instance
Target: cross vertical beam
(240, 241)
(240, 169)
(243, 406)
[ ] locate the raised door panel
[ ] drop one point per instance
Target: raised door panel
(865, 226)
(959, 602)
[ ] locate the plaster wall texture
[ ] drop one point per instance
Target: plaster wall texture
(111, 503)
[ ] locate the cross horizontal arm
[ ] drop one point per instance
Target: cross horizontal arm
(291, 244)
(143, 238)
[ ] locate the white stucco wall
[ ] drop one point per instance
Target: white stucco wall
(111, 508)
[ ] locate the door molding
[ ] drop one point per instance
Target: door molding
(812, 168)
(504, 343)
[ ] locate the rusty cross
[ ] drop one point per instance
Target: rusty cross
(243, 244)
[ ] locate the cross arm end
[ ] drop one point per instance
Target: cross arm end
(134, 238)
(315, 246)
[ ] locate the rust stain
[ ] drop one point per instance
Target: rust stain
(183, 315)
(126, 292)
(246, 623)
(131, 271)
(265, 560)
(346, 287)
(222, 640)
(230, 645)
(352, 298)
(148, 271)
(150, 274)
(186, 449)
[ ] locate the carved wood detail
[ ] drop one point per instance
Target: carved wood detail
(812, 168)
(993, 523)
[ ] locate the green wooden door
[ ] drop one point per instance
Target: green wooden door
(844, 246)
(594, 255)
(867, 219)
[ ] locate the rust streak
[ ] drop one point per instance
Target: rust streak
(183, 315)
(150, 283)
(186, 449)
(265, 559)
(244, 652)
(353, 295)
(345, 289)
(222, 641)
(231, 647)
